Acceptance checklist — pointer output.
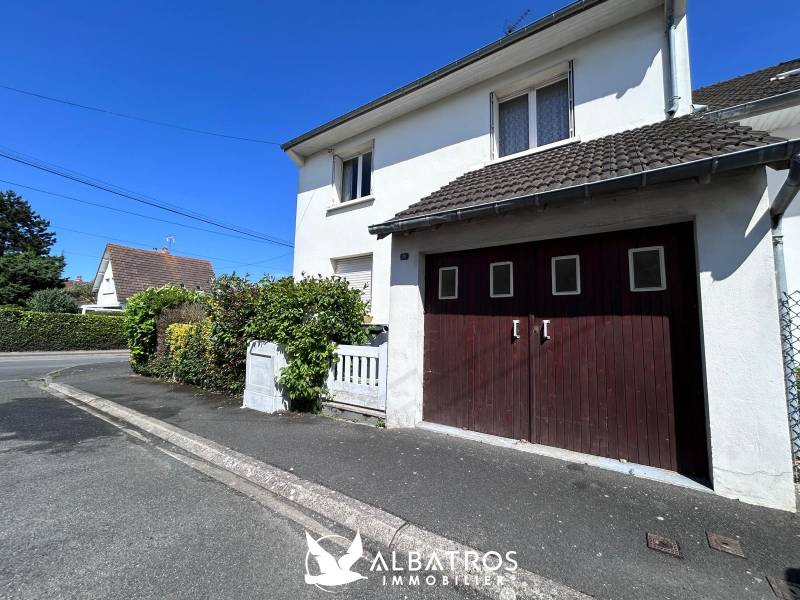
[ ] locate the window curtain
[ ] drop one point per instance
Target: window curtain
(552, 113)
(513, 127)
(349, 179)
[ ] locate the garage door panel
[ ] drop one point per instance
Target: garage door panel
(621, 374)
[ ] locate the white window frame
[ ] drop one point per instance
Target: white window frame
(510, 279)
(339, 158)
(359, 172)
(577, 278)
(662, 265)
(533, 143)
(441, 296)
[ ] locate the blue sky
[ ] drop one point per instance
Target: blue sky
(263, 70)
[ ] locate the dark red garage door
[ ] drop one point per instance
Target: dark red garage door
(588, 343)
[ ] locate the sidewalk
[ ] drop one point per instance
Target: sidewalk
(575, 524)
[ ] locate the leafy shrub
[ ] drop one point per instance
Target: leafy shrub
(82, 292)
(189, 353)
(141, 312)
(309, 318)
(53, 300)
(22, 330)
(188, 312)
(232, 305)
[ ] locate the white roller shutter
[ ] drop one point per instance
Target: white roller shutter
(358, 273)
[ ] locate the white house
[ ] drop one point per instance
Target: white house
(123, 271)
(567, 251)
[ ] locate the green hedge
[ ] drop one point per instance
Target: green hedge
(22, 331)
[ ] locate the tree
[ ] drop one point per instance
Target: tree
(22, 229)
(23, 273)
(52, 300)
(82, 292)
(25, 242)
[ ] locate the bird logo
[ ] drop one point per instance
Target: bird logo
(333, 572)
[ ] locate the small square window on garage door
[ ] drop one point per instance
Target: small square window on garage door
(566, 274)
(448, 283)
(646, 269)
(501, 280)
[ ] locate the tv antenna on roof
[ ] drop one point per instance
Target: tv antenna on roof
(170, 239)
(512, 27)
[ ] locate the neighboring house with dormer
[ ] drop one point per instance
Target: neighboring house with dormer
(123, 271)
(567, 252)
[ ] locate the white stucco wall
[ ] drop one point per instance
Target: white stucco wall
(619, 81)
(107, 294)
(746, 408)
(791, 220)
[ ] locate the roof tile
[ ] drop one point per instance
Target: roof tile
(136, 270)
(748, 88)
(662, 144)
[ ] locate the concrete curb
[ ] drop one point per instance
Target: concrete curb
(374, 523)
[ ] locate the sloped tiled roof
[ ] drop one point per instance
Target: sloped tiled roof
(749, 87)
(663, 144)
(135, 270)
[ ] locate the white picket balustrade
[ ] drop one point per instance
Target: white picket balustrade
(356, 380)
(358, 376)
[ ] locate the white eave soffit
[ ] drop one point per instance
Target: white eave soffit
(571, 30)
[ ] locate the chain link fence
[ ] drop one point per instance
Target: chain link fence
(790, 334)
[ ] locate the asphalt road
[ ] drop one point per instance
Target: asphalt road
(14, 367)
(90, 511)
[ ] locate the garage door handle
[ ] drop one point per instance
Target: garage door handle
(545, 329)
(515, 329)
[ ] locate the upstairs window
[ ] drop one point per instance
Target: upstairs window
(537, 117)
(356, 179)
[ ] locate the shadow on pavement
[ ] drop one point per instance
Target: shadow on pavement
(48, 425)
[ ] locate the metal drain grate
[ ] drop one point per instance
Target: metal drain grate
(725, 544)
(663, 544)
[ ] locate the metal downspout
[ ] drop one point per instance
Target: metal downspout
(673, 99)
(777, 208)
(779, 205)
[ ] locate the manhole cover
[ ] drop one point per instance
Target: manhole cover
(785, 590)
(724, 544)
(663, 544)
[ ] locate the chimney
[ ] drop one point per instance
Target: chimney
(79, 279)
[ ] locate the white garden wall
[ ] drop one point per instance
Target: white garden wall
(746, 406)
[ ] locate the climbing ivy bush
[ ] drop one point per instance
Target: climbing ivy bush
(141, 314)
(308, 318)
